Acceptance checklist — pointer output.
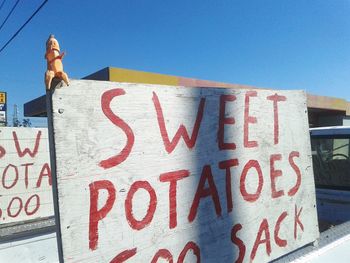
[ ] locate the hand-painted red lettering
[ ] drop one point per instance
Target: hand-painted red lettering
(26, 150)
(140, 224)
(274, 173)
(296, 169)
(19, 207)
(123, 256)
(228, 164)
(45, 171)
(28, 204)
(297, 221)
(264, 228)
(280, 242)
(202, 192)
(181, 132)
(248, 120)
(276, 98)
(163, 253)
(2, 152)
(242, 185)
(26, 173)
(95, 214)
(173, 177)
(4, 176)
(190, 246)
(237, 241)
(225, 121)
(106, 100)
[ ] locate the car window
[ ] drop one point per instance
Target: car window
(331, 162)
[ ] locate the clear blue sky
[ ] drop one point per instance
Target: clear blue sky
(276, 44)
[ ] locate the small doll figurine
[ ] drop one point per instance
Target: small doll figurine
(54, 62)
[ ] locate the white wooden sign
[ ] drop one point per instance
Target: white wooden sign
(25, 187)
(150, 173)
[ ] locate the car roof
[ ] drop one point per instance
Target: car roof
(332, 130)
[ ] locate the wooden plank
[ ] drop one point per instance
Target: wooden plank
(25, 187)
(239, 186)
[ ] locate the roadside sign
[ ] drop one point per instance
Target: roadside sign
(25, 186)
(147, 172)
(2, 97)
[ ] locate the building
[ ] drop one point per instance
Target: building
(323, 111)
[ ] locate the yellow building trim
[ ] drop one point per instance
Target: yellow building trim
(329, 103)
(134, 76)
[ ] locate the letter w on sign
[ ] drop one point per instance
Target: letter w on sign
(181, 132)
(21, 152)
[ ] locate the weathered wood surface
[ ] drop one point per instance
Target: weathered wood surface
(25, 187)
(240, 188)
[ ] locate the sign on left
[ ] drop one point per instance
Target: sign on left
(25, 183)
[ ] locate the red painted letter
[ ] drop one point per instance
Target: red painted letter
(125, 255)
(280, 242)
(297, 221)
(274, 174)
(173, 177)
(227, 165)
(45, 171)
(4, 175)
(2, 152)
(19, 207)
(106, 99)
(202, 193)
(222, 121)
(247, 196)
(26, 150)
(248, 119)
(295, 188)
(238, 242)
(95, 214)
(264, 227)
(26, 173)
(163, 253)
(140, 224)
(195, 249)
(36, 206)
(276, 98)
(181, 132)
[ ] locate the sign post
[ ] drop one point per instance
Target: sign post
(147, 172)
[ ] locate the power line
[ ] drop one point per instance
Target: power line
(2, 4)
(20, 29)
(13, 8)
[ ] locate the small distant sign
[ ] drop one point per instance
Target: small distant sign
(2, 97)
(3, 109)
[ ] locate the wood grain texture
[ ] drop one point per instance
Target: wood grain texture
(125, 200)
(25, 185)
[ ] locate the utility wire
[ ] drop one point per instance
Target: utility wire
(20, 29)
(2, 4)
(13, 8)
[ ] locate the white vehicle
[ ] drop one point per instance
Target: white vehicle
(331, 163)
